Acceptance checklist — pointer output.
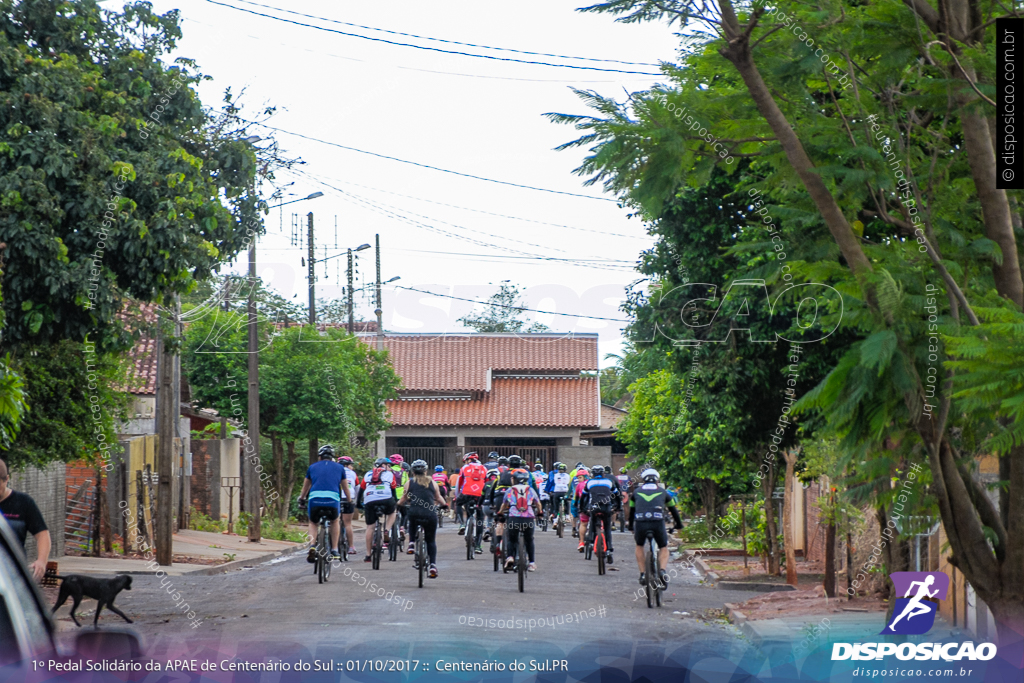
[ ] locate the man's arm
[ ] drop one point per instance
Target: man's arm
(43, 553)
(306, 483)
(344, 487)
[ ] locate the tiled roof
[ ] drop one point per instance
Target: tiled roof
(143, 373)
(511, 402)
(460, 363)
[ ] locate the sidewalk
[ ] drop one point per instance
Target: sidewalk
(202, 545)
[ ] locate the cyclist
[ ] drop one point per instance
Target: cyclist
(423, 498)
(600, 498)
(401, 471)
(522, 505)
(558, 487)
(348, 506)
(576, 469)
(442, 481)
(379, 499)
(579, 516)
(502, 465)
(492, 460)
(647, 513)
(453, 481)
(540, 481)
(504, 483)
(489, 510)
(325, 483)
(470, 489)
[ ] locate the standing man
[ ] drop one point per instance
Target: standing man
(22, 513)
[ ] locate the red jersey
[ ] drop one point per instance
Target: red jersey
(472, 478)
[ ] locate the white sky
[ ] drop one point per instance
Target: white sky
(390, 100)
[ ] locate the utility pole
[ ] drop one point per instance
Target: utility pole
(311, 259)
(379, 311)
(165, 450)
(251, 450)
(351, 324)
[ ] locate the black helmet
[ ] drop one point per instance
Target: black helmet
(381, 462)
(558, 463)
(515, 461)
(562, 467)
(622, 470)
(503, 460)
(419, 467)
(326, 451)
(597, 471)
(520, 477)
(493, 455)
(538, 466)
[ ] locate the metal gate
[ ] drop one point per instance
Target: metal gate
(81, 517)
(530, 454)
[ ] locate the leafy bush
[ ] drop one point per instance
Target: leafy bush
(200, 522)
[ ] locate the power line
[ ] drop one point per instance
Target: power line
(517, 308)
(414, 163)
(537, 258)
(442, 40)
(431, 49)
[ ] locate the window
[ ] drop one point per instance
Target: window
(9, 651)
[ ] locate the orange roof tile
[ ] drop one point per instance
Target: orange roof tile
(511, 402)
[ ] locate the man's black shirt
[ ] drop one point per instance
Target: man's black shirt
(23, 515)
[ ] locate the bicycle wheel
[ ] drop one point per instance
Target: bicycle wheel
(522, 560)
(470, 537)
(440, 518)
(496, 550)
(649, 574)
(321, 541)
(600, 548)
(622, 521)
(378, 545)
(588, 545)
(328, 560)
(559, 526)
(393, 543)
(421, 554)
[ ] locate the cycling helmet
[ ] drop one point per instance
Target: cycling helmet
(598, 471)
(419, 466)
(520, 476)
(326, 451)
(345, 460)
(503, 460)
(471, 457)
(622, 470)
(493, 455)
(579, 465)
(562, 467)
(538, 467)
(396, 459)
(439, 468)
(558, 463)
(515, 461)
(405, 467)
(492, 474)
(381, 462)
(582, 472)
(650, 476)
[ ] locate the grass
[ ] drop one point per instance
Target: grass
(270, 527)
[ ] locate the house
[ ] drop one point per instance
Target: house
(530, 394)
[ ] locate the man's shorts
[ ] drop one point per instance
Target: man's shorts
(378, 508)
(574, 509)
(320, 508)
(641, 527)
(348, 508)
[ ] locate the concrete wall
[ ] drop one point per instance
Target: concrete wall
(46, 486)
(213, 459)
(588, 455)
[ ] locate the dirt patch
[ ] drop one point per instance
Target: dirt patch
(176, 559)
(805, 603)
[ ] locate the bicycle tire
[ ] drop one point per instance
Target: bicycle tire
(495, 551)
(651, 587)
(470, 534)
(393, 544)
(522, 561)
(560, 526)
(328, 560)
(378, 545)
(321, 541)
(421, 555)
(601, 548)
(505, 552)
(588, 545)
(622, 522)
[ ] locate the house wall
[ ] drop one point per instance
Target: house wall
(46, 486)
(213, 459)
(588, 455)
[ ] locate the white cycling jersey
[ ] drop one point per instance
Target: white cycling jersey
(561, 484)
(378, 491)
(351, 475)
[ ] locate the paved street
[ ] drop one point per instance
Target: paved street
(283, 597)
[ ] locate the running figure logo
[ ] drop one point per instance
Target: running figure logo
(912, 613)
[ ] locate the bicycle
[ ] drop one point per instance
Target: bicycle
(560, 521)
(394, 543)
(652, 582)
(600, 543)
(522, 559)
(322, 566)
(472, 519)
(377, 550)
(496, 548)
(543, 520)
(421, 560)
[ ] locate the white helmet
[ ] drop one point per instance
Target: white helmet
(650, 474)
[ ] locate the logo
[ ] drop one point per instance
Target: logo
(913, 614)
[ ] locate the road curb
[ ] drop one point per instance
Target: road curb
(753, 586)
(239, 564)
(734, 615)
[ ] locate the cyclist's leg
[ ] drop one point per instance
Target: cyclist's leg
(313, 528)
(608, 529)
(528, 527)
(479, 523)
(346, 521)
(512, 530)
(372, 512)
(640, 536)
(429, 523)
(335, 532)
(661, 539)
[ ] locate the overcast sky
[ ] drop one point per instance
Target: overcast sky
(482, 117)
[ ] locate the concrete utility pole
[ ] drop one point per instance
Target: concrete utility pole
(165, 451)
(379, 311)
(351, 324)
(311, 258)
(251, 451)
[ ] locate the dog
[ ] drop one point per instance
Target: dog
(103, 591)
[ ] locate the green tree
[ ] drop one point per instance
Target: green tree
(502, 313)
(115, 181)
(12, 393)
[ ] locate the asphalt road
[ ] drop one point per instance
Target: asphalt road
(568, 601)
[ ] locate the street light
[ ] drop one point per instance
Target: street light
(351, 323)
(302, 199)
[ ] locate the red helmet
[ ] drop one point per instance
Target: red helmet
(345, 460)
(396, 459)
(470, 456)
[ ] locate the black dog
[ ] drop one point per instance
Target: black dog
(103, 591)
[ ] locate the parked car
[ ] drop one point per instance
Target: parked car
(27, 630)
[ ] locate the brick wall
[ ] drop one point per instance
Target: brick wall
(205, 484)
(46, 487)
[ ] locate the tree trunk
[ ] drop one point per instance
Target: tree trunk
(278, 450)
(771, 528)
(289, 479)
(787, 515)
(829, 582)
(97, 530)
(709, 499)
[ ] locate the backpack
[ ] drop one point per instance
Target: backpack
(522, 499)
(375, 478)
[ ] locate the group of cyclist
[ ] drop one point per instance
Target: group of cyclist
(503, 492)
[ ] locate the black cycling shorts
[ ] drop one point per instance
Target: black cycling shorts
(319, 512)
(378, 508)
(641, 527)
(348, 507)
